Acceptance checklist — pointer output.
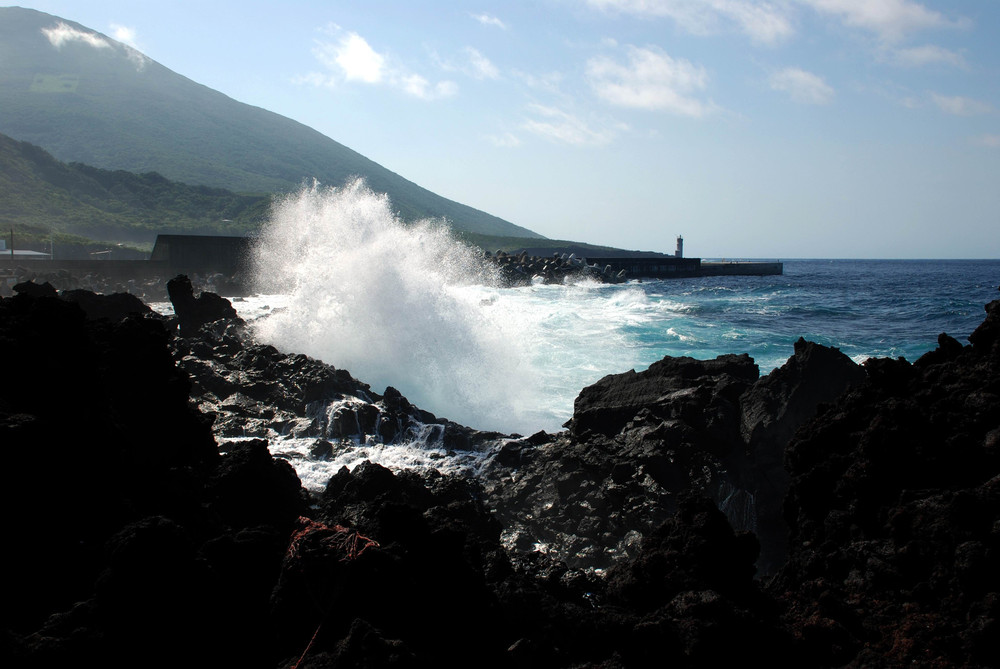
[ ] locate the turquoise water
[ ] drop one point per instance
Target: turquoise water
(864, 308)
(513, 360)
(867, 308)
(407, 306)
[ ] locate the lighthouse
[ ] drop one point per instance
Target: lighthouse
(679, 253)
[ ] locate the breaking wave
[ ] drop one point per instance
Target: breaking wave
(392, 303)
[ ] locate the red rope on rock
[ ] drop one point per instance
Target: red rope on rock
(352, 544)
(349, 543)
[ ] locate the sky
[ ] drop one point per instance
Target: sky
(755, 129)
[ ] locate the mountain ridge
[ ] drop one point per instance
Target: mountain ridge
(45, 194)
(87, 98)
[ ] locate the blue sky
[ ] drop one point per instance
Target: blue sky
(785, 128)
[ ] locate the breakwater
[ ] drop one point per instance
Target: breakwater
(523, 268)
(741, 268)
(668, 267)
(219, 255)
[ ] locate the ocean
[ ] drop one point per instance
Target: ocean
(342, 280)
(559, 338)
(339, 278)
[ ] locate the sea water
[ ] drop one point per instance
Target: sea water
(343, 280)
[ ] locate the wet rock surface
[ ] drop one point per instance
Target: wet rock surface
(521, 269)
(639, 440)
(252, 390)
(643, 535)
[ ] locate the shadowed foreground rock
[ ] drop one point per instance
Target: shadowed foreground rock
(133, 539)
(639, 440)
(894, 506)
(193, 312)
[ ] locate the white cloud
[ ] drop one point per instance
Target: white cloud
(560, 126)
(61, 34)
(124, 34)
(928, 54)
(488, 20)
(650, 80)
(801, 86)
(506, 140)
(127, 36)
(350, 58)
(548, 82)
(317, 79)
(480, 65)
(991, 141)
(892, 20)
(473, 64)
(419, 87)
(763, 21)
(355, 59)
(961, 106)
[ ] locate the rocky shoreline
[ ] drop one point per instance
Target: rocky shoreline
(695, 514)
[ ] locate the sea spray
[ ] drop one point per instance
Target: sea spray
(385, 300)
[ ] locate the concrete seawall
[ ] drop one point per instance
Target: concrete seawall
(672, 267)
(116, 269)
(740, 268)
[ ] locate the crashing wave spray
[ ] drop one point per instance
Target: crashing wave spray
(386, 301)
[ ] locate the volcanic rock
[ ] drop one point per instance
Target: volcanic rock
(635, 441)
(193, 312)
(894, 505)
(772, 410)
(32, 289)
(621, 542)
(113, 307)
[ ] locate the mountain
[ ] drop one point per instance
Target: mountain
(87, 98)
(44, 194)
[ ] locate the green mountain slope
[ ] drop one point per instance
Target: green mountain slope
(42, 195)
(101, 103)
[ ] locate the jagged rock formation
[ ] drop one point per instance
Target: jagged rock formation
(894, 510)
(193, 312)
(137, 539)
(772, 410)
(638, 440)
(253, 390)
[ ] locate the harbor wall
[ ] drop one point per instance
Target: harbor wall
(670, 267)
(741, 268)
(118, 269)
(636, 267)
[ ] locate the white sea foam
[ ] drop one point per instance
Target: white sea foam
(416, 454)
(407, 306)
(404, 306)
(395, 305)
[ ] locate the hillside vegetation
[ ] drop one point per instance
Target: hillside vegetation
(45, 197)
(543, 247)
(101, 103)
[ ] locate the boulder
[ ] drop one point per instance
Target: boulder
(671, 388)
(194, 312)
(32, 289)
(113, 307)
